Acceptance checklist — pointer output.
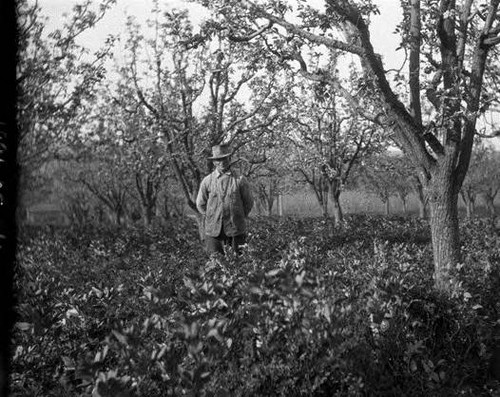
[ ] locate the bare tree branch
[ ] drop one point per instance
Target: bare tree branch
(329, 42)
(491, 41)
(475, 86)
(240, 83)
(431, 91)
(251, 36)
(462, 31)
(415, 37)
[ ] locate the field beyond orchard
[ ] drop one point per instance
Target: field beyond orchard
(303, 203)
(309, 309)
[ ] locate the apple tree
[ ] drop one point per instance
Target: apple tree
(452, 62)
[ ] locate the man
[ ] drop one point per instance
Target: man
(225, 201)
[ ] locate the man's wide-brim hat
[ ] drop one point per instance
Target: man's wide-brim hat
(220, 152)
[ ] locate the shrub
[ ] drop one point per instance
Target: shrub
(309, 309)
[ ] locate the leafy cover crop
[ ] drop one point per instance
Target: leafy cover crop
(308, 310)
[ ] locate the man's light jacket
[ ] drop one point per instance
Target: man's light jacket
(225, 200)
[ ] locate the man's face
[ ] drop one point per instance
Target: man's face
(222, 165)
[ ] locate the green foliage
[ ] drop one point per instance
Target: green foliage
(56, 79)
(308, 309)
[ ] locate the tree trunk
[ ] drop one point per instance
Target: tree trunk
(280, 205)
(321, 198)
(422, 205)
(422, 209)
(444, 230)
(422, 200)
(470, 209)
(147, 214)
(490, 205)
(117, 216)
(166, 209)
(270, 199)
(269, 207)
(387, 206)
(324, 205)
(402, 197)
(337, 209)
(99, 214)
(468, 200)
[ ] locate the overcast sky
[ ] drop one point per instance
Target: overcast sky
(384, 41)
(382, 29)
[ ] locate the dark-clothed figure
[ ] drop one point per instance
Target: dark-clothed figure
(225, 201)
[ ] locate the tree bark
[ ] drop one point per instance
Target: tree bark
(404, 202)
(470, 209)
(444, 230)
(269, 208)
(147, 214)
(469, 201)
(165, 209)
(441, 159)
(99, 214)
(422, 201)
(490, 204)
(270, 198)
(321, 193)
(387, 207)
(324, 205)
(147, 190)
(280, 205)
(337, 211)
(422, 209)
(117, 218)
(335, 191)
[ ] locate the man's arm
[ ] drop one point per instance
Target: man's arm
(201, 199)
(246, 196)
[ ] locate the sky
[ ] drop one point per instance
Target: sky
(384, 40)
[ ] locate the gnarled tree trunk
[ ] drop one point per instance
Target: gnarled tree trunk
(445, 240)
(443, 202)
(441, 149)
(489, 200)
(469, 201)
(335, 191)
(422, 201)
(324, 205)
(387, 206)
